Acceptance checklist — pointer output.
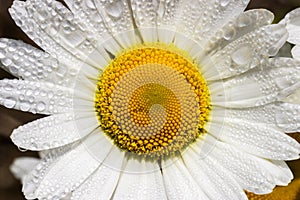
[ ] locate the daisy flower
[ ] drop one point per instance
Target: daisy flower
(147, 99)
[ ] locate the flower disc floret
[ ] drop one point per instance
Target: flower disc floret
(152, 100)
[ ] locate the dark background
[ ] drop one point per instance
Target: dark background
(10, 189)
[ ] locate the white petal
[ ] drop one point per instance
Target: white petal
(53, 131)
(296, 52)
(243, 53)
(288, 117)
(179, 183)
(202, 19)
(56, 24)
(145, 17)
(92, 19)
(140, 180)
(24, 61)
(22, 166)
(89, 15)
(293, 98)
(207, 176)
(292, 22)
(102, 183)
(283, 172)
(56, 179)
(156, 19)
(117, 18)
(264, 140)
(285, 116)
(251, 172)
(31, 181)
(272, 81)
(236, 29)
(31, 28)
(35, 97)
(239, 26)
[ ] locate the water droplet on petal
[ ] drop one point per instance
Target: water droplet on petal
(3, 45)
(2, 54)
(224, 3)
(114, 9)
(244, 20)
(41, 106)
(22, 149)
(10, 102)
(229, 33)
(90, 4)
(242, 55)
(8, 87)
(6, 62)
(25, 106)
(273, 51)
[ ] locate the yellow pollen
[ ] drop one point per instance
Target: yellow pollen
(151, 100)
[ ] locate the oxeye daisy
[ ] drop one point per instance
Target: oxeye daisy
(171, 99)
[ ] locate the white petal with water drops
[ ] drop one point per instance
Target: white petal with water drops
(24, 61)
(239, 26)
(179, 183)
(35, 97)
(271, 81)
(140, 180)
(22, 18)
(73, 168)
(53, 131)
(264, 140)
(32, 180)
(292, 22)
(102, 183)
(202, 19)
(22, 166)
(243, 53)
(250, 171)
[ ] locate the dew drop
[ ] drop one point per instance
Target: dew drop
(245, 2)
(90, 4)
(3, 45)
(2, 54)
(273, 51)
(10, 102)
(224, 3)
(25, 106)
(229, 33)
(242, 55)
(8, 87)
(243, 21)
(41, 106)
(6, 62)
(22, 149)
(114, 9)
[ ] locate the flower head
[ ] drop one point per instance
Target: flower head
(151, 99)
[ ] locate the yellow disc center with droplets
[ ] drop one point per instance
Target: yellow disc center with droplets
(151, 100)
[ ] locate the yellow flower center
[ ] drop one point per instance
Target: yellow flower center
(151, 100)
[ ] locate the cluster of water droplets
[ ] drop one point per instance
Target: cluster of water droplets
(29, 63)
(50, 132)
(35, 97)
(246, 50)
(35, 177)
(87, 11)
(271, 81)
